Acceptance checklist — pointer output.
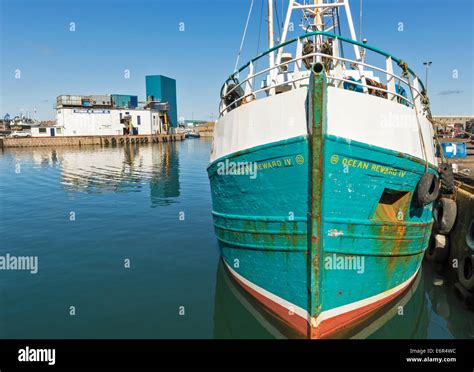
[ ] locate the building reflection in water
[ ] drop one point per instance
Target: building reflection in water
(118, 169)
(123, 169)
(164, 183)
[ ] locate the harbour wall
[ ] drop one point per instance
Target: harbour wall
(205, 130)
(87, 140)
(465, 214)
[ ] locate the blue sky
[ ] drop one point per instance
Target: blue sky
(144, 37)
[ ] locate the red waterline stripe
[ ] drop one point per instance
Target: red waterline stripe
(292, 319)
(326, 327)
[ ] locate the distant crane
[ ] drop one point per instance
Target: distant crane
(427, 65)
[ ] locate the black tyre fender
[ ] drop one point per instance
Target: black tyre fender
(438, 248)
(444, 215)
(427, 189)
(231, 93)
(446, 177)
(466, 269)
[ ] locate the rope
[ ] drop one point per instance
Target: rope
(243, 36)
(406, 74)
(426, 107)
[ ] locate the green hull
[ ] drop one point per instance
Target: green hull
(328, 230)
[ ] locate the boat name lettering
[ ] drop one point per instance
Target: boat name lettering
(283, 162)
(356, 163)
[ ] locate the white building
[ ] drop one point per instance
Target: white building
(46, 131)
(105, 115)
(78, 121)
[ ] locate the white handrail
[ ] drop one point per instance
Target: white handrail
(251, 76)
(390, 77)
(254, 93)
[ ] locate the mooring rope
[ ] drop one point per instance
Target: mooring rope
(426, 107)
(406, 74)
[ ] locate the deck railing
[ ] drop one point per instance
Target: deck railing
(292, 73)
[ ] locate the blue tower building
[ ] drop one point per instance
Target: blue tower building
(162, 88)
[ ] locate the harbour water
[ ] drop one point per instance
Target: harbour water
(126, 249)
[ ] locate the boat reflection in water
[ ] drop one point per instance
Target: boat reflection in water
(421, 312)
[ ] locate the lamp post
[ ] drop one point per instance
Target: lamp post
(427, 65)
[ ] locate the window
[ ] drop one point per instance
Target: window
(42, 130)
(58, 130)
(138, 120)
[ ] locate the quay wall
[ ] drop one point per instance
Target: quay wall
(205, 130)
(465, 214)
(87, 140)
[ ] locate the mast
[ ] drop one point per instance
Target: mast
(271, 55)
(318, 24)
(319, 10)
(318, 21)
(270, 32)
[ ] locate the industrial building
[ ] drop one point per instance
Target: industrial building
(160, 88)
(116, 114)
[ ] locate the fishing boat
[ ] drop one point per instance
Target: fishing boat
(191, 133)
(323, 173)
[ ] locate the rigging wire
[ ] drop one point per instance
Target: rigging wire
(278, 20)
(333, 19)
(341, 46)
(282, 13)
(259, 32)
(406, 74)
(360, 22)
(243, 36)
